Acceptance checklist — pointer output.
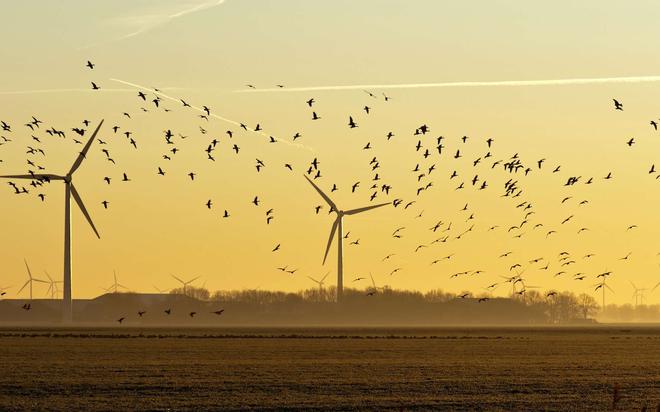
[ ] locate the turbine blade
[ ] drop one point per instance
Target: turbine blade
(81, 155)
(81, 205)
(28, 268)
(312, 279)
(182, 282)
(192, 280)
(364, 209)
(23, 287)
(609, 288)
(326, 275)
(323, 195)
(35, 176)
(655, 287)
(332, 235)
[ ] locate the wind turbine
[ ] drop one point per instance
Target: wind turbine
(69, 191)
(185, 284)
(603, 285)
(52, 286)
(161, 291)
(30, 281)
(319, 282)
(373, 283)
(338, 227)
(638, 294)
(115, 286)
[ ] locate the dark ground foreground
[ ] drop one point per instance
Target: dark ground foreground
(348, 369)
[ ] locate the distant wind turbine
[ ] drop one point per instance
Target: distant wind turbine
(30, 281)
(185, 284)
(638, 294)
(338, 227)
(114, 288)
(69, 191)
(52, 287)
(603, 285)
(161, 290)
(319, 282)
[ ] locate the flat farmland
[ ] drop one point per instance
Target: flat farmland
(341, 369)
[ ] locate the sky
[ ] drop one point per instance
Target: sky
(207, 52)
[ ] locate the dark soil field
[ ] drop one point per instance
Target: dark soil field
(346, 369)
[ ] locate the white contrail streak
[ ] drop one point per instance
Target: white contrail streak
(151, 21)
(201, 110)
(505, 83)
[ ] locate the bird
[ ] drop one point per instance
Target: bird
(218, 312)
(90, 65)
(95, 87)
(617, 105)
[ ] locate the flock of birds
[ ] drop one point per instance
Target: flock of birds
(477, 174)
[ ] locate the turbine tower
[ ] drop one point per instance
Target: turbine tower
(69, 191)
(30, 281)
(338, 227)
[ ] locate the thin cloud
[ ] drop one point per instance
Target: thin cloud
(143, 23)
(506, 83)
(149, 22)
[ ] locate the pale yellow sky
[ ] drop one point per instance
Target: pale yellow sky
(203, 52)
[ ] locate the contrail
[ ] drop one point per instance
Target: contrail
(199, 109)
(162, 20)
(151, 21)
(505, 83)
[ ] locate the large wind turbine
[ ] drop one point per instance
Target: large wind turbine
(338, 227)
(69, 191)
(30, 281)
